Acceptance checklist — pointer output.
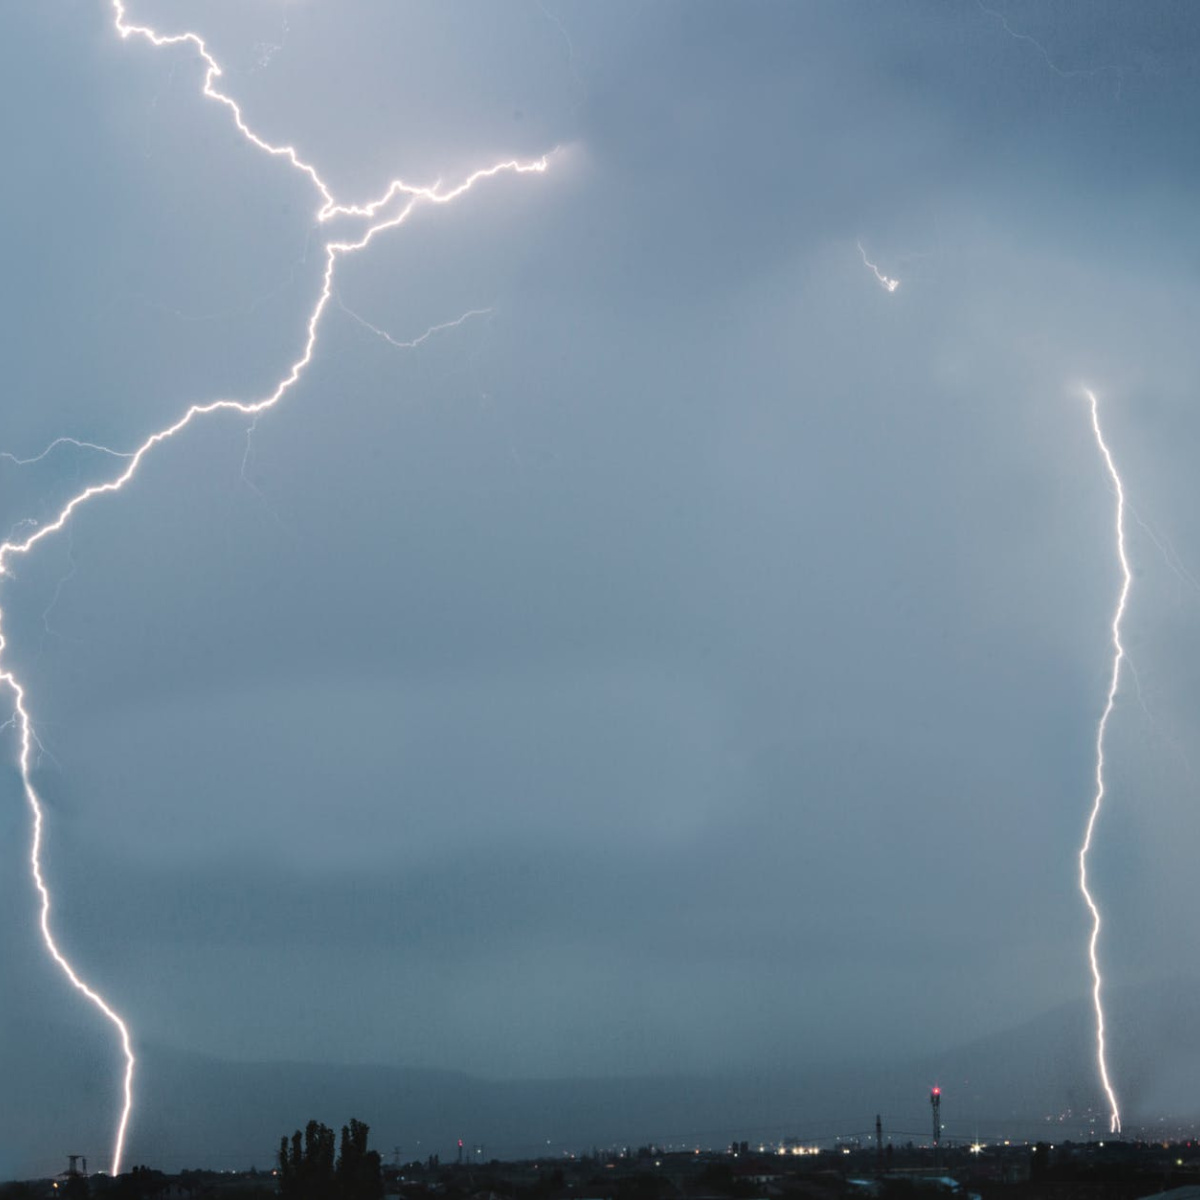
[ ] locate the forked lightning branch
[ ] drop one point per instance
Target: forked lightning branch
(391, 209)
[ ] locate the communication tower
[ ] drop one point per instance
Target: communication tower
(935, 1102)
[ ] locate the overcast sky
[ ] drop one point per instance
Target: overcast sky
(691, 659)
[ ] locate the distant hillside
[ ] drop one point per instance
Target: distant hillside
(200, 1111)
(1007, 1082)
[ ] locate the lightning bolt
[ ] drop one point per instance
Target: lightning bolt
(381, 216)
(1101, 731)
(888, 285)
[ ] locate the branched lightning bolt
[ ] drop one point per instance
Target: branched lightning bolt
(377, 213)
(1101, 730)
(888, 285)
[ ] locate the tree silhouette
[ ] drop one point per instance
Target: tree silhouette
(359, 1170)
(307, 1170)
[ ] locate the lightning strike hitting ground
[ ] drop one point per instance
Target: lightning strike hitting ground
(888, 285)
(380, 219)
(1101, 730)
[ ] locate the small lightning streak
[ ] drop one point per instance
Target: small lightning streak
(888, 285)
(1101, 730)
(381, 218)
(62, 441)
(1170, 555)
(1073, 73)
(424, 337)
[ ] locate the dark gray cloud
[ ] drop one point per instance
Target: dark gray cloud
(660, 668)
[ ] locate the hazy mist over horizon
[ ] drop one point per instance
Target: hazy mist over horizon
(641, 645)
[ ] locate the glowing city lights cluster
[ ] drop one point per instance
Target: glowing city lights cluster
(391, 209)
(1101, 730)
(888, 285)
